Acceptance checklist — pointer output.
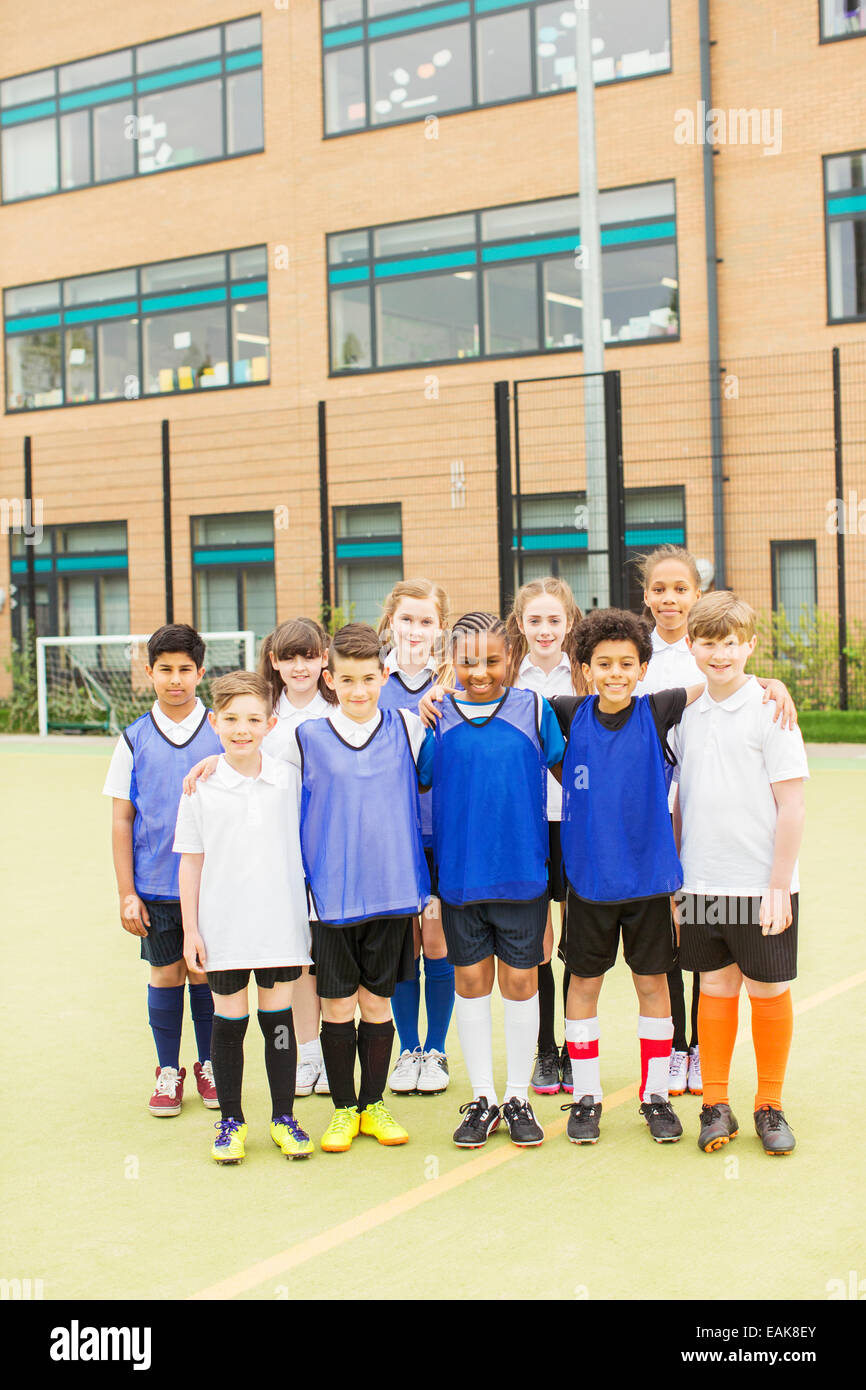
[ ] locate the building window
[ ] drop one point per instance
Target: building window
(368, 554)
(795, 581)
(389, 61)
(172, 326)
(845, 197)
(133, 112)
(82, 585)
(842, 19)
(653, 516)
(233, 573)
(502, 281)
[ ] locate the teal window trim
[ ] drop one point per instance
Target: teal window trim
(336, 38)
(178, 77)
(33, 111)
(182, 300)
(552, 540)
(489, 6)
(644, 231)
(539, 246)
(97, 313)
(95, 96)
(414, 265)
(660, 535)
(346, 275)
(235, 555)
(90, 563)
(252, 289)
(843, 207)
(367, 550)
(27, 325)
(252, 58)
(40, 566)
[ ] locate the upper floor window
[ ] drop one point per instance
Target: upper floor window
(401, 60)
(845, 194)
(842, 19)
(178, 101)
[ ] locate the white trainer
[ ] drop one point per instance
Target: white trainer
(678, 1073)
(433, 1077)
(323, 1085)
(306, 1077)
(695, 1082)
(404, 1078)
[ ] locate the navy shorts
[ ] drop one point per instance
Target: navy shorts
(378, 954)
(230, 981)
(716, 931)
(592, 933)
(163, 944)
(513, 932)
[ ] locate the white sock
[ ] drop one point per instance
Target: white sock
(521, 1036)
(474, 1028)
(581, 1038)
(656, 1036)
(310, 1051)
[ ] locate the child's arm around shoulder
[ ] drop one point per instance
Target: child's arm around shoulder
(422, 742)
(202, 770)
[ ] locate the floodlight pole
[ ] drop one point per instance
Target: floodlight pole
(588, 261)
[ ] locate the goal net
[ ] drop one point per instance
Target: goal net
(99, 685)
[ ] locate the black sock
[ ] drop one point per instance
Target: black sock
(375, 1041)
(546, 1008)
(338, 1054)
(696, 999)
(678, 1009)
(566, 981)
(227, 1058)
(281, 1059)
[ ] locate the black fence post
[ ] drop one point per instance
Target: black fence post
(615, 489)
(166, 524)
(28, 635)
(840, 533)
(324, 520)
(504, 527)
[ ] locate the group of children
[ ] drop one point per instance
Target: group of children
(370, 800)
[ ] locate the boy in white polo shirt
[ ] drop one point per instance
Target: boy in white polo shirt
(244, 906)
(739, 815)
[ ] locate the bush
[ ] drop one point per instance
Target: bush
(19, 714)
(805, 656)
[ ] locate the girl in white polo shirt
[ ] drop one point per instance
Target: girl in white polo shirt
(540, 629)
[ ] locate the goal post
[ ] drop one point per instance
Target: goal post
(98, 684)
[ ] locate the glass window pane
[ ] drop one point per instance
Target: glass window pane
(251, 339)
(511, 309)
(345, 95)
(504, 58)
(118, 360)
(636, 204)
(795, 580)
(253, 262)
(91, 537)
(629, 40)
(181, 126)
(842, 17)
(362, 588)
(563, 304)
(114, 603)
(204, 43)
(80, 368)
(29, 155)
(240, 528)
(75, 149)
(182, 275)
(15, 91)
(846, 171)
(637, 302)
(416, 73)
(348, 246)
(553, 511)
(217, 600)
(350, 328)
(186, 350)
(427, 320)
(245, 118)
(260, 599)
(246, 33)
(409, 238)
(44, 296)
(113, 145)
(369, 521)
(847, 268)
(376, 8)
(335, 12)
(92, 289)
(531, 219)
(654, 506)
(92, 72)
(33, 370)
(78, 614)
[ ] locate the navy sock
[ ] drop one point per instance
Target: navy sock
(165, 1014)
(339, 1048)
(281, 1058)
(374, 1053)
(201, 1009)
(405, 1003)
(439, 999)
(227, 1048)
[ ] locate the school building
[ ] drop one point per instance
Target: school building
(292, 304)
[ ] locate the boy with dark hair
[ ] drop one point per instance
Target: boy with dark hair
(145, 780)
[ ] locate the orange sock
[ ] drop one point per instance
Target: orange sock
(717, 1033)
(772, 1030)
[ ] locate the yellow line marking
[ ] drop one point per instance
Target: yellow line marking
(309, 1249)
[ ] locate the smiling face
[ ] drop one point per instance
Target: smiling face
(480, 661)
(614, 670)
(414, 625)
(357, 682)
(241, 724)
(300, 674)
(175, 677)
(669, 595)
(545, 626)
(722, 661)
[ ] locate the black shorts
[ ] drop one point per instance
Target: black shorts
(716, 931)
(431, 866)
(378, 954)
(556, 886)
(163, 944)
(592, 932)
(230, 981)
(513, 932)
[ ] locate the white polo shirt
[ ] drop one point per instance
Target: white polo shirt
(281, 737)
(118, 781)
(555, 682)
(671, 666)
(413, 682)
(252, 903)
(729, 753)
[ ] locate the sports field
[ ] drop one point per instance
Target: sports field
(101, 1200)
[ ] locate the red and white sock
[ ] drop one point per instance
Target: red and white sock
(656, 1036)
(581, 1039)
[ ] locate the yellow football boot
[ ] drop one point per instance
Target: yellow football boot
(343, 1128)
(228, 1147)
(288, 1136)
(378, 1121)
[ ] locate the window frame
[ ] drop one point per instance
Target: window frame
(834, 38)
(359, 562)
(810, 545)
(51, 573)
(238, 568)
(832, 219)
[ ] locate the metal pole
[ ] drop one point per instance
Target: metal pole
(517, 492)
(715, 385)
(28, 646)
(840, 534)
(504, 526)
(589, 263)
(166, 524)
(324, 527)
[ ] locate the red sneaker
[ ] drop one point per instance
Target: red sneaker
(205, 1082)
(167, 1098)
